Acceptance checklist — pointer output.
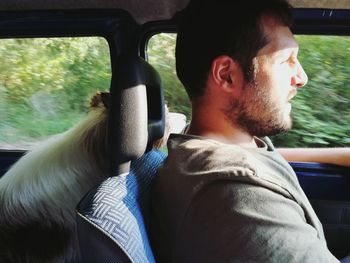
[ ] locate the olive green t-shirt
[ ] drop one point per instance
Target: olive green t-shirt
(215, 202)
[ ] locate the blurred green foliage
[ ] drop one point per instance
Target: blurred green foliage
(161, 54)
(320, 110)
(46, 83)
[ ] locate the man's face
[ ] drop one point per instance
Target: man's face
(265, 108)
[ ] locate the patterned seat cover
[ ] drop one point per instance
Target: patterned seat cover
(119, 207)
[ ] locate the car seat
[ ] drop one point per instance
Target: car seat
(112, 218)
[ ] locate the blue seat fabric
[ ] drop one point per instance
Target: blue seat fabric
(119, 206)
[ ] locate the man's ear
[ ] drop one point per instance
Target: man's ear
(226, 73)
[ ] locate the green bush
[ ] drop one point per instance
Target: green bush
(46, 83)
(45, 86)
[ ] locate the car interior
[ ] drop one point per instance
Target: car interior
(116, 231)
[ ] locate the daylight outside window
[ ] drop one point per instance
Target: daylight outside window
(321, 110)
(45, 85)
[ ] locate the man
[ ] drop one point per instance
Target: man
(224, 194)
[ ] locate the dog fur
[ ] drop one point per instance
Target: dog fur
(38, 195)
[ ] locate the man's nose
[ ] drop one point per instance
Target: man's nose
(300, 78)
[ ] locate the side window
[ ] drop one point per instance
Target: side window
(321, 110)
(45, 85)
(161, 54)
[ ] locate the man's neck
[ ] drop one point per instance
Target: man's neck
(209, 121)
(221, 133)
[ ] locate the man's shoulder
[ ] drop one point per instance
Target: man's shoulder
(194, 153)
(177, 140)
(197, 159)
(193, 143)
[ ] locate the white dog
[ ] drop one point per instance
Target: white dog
(38, 195)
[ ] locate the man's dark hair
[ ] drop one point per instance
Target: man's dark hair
(212, 28)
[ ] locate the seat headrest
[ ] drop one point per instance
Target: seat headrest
(136, 114)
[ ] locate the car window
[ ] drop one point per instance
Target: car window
(46, 83)
(320, 110)
(161, 55)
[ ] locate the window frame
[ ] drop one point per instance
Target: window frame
(68, 23)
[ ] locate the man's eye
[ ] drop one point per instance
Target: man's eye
(290, 61)
(293, 61)
(285, 60)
